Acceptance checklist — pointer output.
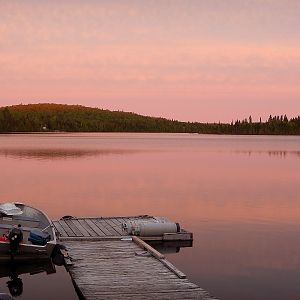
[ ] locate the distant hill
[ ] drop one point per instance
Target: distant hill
(76, 118)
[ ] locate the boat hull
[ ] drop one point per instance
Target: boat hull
(26, 252)
(31, 218)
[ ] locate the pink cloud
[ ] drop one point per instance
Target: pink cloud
(125, 54)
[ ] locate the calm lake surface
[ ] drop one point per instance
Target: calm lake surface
(239, 195)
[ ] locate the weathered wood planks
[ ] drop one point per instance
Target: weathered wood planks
(115, 270)
(110, 227)
(108, 265)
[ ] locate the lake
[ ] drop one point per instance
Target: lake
(239, 195)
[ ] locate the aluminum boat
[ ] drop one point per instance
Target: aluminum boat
(25, 233)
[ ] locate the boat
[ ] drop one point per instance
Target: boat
(25, 233)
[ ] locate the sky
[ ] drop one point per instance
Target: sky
(191, 60)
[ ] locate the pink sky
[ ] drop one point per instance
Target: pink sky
(189, 60)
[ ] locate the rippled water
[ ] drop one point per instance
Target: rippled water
(238, 194)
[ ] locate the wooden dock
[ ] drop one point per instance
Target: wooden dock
(70, 228)
(106, 263)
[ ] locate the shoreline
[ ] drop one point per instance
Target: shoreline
(140, 132)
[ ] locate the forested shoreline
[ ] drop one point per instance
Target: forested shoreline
(76, 118)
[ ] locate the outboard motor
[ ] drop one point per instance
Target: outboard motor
(15, 286)
(15, 237)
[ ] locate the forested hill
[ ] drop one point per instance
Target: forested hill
(76, 118)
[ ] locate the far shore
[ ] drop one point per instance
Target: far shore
(138, 132)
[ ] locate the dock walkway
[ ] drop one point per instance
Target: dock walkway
(107, 264)
(121, 270)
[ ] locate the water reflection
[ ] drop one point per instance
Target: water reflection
(170, 247)
(237, 195)
(59, 153)
(69, 153)
(273, 153)
(14, 269)
(35, 279)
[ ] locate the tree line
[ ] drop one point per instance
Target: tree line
(76, 118)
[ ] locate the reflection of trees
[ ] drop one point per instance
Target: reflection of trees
(59, 153)
(271, 153)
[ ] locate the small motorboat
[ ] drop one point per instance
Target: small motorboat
(25, 233)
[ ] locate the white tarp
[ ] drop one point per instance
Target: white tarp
(10, 209)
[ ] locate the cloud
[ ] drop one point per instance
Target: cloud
(138, 49)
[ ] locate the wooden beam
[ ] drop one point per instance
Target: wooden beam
(146, 246)
(171, 267)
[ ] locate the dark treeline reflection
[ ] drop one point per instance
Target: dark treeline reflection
(280, 154)
(57, 153)
(69, 153)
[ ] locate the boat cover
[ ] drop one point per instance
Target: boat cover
(10, 209)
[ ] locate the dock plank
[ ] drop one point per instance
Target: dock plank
(102, 226)
(106, 226)
(115, 225)
(81, 228)
(95, 227)
(118, 220)
(113, 270)
(66, 227)
(87, 227)
(71, 224)
(59, 229)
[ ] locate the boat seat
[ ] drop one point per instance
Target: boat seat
(24, 221)
(22, 218)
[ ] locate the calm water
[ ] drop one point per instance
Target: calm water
(239, 195)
